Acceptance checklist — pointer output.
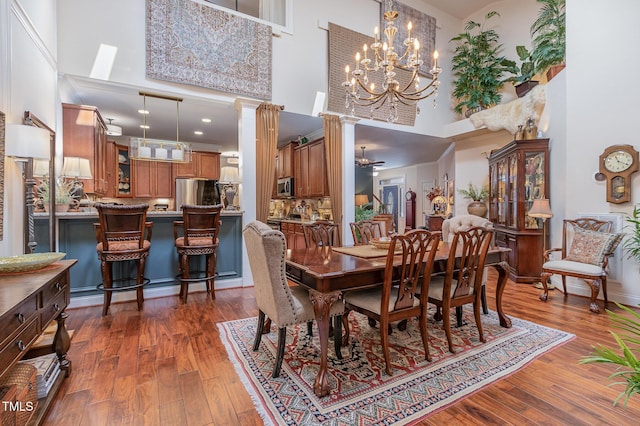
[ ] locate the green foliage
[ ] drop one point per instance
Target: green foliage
(632, 241)
(363, 213)
(629, 365)
(525, 71)
(63, 193)
(549, 35)
(477, 66)
(474, 193)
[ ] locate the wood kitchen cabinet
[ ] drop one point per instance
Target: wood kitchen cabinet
(518, 174)
(85, 136)
(203, 165)
(284, 160)
(310, 177)
(293, 234)
(152, 179)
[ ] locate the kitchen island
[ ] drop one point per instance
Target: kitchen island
(76, 238)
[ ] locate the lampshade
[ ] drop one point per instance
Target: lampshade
(40, 168)
(229, 174)
(76, 167)
(27, 142)
(362, 199)
(541, 209)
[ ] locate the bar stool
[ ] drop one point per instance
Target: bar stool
(200, 226)
(121, 237)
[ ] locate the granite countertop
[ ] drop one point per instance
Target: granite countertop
(150, 213)
(292, 220)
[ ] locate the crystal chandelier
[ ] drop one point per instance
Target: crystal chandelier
(384, 62)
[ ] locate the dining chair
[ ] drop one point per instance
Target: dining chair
(365, 230)
(321, 233)
(408, 266)
(586, 246)
(284, 305)
(199, 228)
(122, 234)
(462, 282)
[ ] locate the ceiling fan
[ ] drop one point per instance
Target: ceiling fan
(365, 162)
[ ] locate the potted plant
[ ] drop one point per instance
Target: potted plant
(549, 41)
(478, 67)
(521, 75)
(478, 196)
(63, 195)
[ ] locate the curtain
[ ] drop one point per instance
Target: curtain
(267, 122)
(333, 154)
(273, 11)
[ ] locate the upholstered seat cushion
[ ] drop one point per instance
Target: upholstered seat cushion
(195, 242)
(436, 287)
(569, 266)
(116, 246)
(369, 299)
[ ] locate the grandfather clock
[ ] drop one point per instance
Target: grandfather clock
(410, 205)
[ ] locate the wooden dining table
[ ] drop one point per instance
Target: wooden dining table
(327, 273)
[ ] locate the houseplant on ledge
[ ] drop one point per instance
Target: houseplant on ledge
(478, 67)
(523, 74)
(478, 196)
(549, 38)
(63, 195)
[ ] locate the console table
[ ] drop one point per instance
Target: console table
(29, 301)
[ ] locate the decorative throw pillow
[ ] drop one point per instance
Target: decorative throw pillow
(592, 246)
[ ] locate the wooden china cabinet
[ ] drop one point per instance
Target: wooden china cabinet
(518, 174)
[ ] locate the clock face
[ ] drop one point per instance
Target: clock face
(618, 161)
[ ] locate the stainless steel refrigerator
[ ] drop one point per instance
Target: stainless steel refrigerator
(203, 192)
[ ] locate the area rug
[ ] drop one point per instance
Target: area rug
(361, 392)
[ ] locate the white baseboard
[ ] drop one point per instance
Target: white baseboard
(612, 294)
(150, 293)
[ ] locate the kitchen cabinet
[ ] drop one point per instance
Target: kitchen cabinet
(293, 234)
(203, 165)
(284, 160)
(111, 169)
(123, 176)
(152, 179)
(85, 136)
(310, 178)
(518, 174)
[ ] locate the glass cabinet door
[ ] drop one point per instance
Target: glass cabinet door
(502, 191)
(534, 185)
(513, 191)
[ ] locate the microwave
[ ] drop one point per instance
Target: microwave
(285, 187)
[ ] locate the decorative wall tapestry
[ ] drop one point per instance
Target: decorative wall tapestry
(192, 43)
(424, 29)
(1, 175)
(343, 45)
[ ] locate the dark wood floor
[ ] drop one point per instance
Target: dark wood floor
(167, 366)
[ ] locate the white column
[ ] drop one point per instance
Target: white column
(348, 176)
(247, 170)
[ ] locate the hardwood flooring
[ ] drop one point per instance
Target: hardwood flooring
(167, 366)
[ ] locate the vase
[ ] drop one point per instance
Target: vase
(477, 208)
(524, 87)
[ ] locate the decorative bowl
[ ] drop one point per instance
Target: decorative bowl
(29, 262)
(382, 243)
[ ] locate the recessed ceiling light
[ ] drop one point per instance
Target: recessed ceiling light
(197, 132)
(143, 111)
(206, 120)
(143, 126)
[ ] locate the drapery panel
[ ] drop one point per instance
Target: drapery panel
(333, 154)
(267, 123)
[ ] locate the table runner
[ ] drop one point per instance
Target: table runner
(366, 251)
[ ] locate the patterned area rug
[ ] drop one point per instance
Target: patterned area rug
(361, 392)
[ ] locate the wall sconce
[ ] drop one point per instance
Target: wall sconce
(24, 144)
(228, 179)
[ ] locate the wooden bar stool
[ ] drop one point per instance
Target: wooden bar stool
(200, 226)
(121, 237)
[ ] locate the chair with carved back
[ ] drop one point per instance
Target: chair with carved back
(283, 304)
(403, 294)
(321, 233)
(200, 226)
(587, 244)
(122, 234)
(462, 282)
(364, 231)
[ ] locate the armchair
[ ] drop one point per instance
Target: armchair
(586, 246)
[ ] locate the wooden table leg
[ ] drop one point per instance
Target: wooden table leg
(321, 306)
(503, 274)
(61, 343)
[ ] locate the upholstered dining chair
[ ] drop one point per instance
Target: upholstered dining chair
(462, 282)
(199, 227)
(399, 298)
(365, 230)
(123, 234)
(462, 223)
(586, 246)
(321, 233)
(284, 305)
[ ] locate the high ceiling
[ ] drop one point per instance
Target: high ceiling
(119, 104)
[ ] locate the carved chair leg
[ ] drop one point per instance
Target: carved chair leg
(211, 272)
(595, 289)
(337, 335)
(384, 338)
(345, 324)
(446, 323)
(476, 313)
(140, 263)
(459, 316)
(483, 295)
(424, 331)
(282, 338)
(604, 291)
(544, 277)
(256, 341)
(107, 282)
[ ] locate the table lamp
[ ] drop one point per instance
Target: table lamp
(229, 178)
(361, 200)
